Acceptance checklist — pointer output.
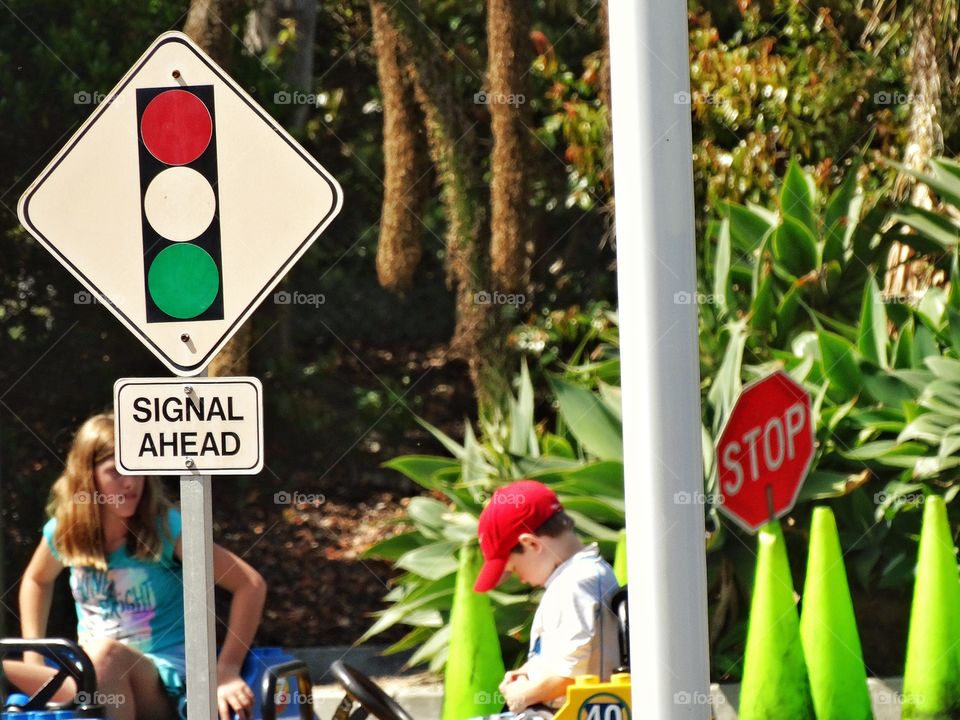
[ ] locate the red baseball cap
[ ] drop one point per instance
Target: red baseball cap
(517, 508)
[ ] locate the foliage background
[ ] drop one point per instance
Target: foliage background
(814, 96)
(342, 382)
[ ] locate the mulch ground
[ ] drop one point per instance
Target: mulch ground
(321, 589)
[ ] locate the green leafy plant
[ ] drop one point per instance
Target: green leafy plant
(933, 231)
(797, 288)
(582, 462)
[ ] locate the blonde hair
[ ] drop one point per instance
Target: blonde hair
(79, 534)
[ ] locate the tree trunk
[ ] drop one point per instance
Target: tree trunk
(263, 21)
(209, 25)
(299, 71)
(606, 98)
(605, 92)
(262, 29)
(479, 335)
(906, 277)
(405, 191)
(510, 57)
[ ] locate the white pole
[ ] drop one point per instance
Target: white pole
(653, 175)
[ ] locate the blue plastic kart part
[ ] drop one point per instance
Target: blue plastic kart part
(280, 683)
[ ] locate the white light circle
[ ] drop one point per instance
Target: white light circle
(179, 204)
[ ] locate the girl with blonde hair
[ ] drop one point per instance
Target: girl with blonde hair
(120, 538)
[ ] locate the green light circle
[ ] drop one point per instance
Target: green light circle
(183, 280)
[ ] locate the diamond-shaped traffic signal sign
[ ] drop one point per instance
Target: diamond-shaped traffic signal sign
(180, 203)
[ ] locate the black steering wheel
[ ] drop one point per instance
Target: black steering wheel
(71, 661)
(366, 692)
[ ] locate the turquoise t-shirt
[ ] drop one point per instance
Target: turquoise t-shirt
(136, 602)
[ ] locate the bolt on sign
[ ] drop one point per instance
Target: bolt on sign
(180, 203)
(765, 451)
(170, 426)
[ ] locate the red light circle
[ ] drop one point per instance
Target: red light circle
(176, 127)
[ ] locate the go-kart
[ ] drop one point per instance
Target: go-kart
(281, 684)
(373, 701)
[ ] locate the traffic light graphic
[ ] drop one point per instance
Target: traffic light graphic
(182, 265)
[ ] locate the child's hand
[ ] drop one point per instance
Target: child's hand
(512, 676)
(514, 689)
(515, 694)
(234, 696)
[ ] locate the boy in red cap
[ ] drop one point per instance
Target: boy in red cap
(524, 531)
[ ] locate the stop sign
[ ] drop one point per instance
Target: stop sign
(764, 451)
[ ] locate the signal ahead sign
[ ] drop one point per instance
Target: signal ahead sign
(201, 426)
(764, 451)
(180, 204)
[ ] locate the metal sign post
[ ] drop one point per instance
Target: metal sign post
(653, 174)
(196, 504)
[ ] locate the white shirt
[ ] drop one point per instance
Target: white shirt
(574, 630)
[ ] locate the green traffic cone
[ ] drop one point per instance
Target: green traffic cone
(931, 679)
(774, 685)
(828, 628)
(620, 559)
(474, 666)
